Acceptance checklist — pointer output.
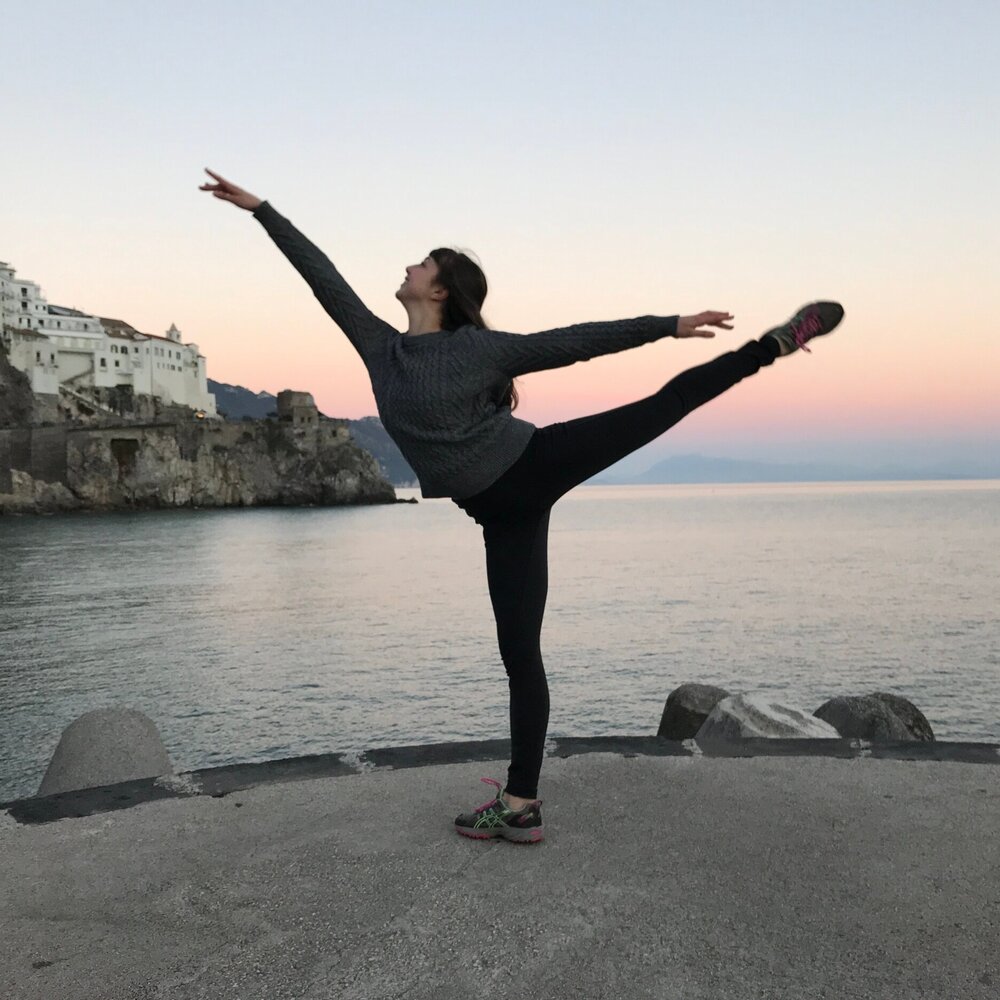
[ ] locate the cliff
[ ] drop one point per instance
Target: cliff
(17, 401)
(192, 464)
(236, 402)
(107, 449)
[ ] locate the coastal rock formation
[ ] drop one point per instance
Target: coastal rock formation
(881, 718)
(740, 716)
(235, 402)
(196, 463)
(687, 708)
(110, 448)
(17, 401)
(104, 747)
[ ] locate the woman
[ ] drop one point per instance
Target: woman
(444, 391)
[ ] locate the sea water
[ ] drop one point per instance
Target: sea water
(260, 633)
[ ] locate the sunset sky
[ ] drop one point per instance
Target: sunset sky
(602, 160)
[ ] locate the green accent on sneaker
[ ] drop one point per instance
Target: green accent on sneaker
(496, 815)
(497, 819)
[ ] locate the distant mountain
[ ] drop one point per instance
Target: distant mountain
(704, 469)
(373, 437)
(235, 402)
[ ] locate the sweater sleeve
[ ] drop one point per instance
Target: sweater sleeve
(515, 354)
(364, 329)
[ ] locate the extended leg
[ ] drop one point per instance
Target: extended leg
(517, 570)
(566, 454)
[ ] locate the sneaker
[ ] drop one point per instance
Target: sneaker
(496, 819)
(810, 321)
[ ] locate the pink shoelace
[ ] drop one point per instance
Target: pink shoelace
(806, 329)
(499, 788)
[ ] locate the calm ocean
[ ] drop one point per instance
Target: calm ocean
(253, 634)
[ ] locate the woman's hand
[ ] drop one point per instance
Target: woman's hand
(689, 326)
(230, 192)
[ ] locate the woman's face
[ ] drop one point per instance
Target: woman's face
(421, 282)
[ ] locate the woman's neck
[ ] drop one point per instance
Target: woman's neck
(424, 318)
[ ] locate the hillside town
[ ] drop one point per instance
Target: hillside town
(64, 351)
(97, 415)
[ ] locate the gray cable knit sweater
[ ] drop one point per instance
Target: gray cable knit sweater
(437, 393)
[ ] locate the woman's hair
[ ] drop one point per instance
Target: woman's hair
(464, 281)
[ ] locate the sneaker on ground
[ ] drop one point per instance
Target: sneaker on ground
(810, 321)
(496, 819)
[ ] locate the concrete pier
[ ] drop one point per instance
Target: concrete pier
(683, 875)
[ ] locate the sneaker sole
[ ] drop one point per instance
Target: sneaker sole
(533, 835)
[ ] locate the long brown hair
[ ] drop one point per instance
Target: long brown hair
(465, 283)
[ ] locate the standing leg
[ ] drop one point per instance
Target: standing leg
(517, 571)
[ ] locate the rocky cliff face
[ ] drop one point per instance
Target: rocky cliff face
(17, 401)
(199, 464)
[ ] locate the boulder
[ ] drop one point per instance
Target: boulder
(104, 747)
(908, 713)
(740, 716)
(687, 707)
(864, 717)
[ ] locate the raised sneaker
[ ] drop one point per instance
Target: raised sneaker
(810, 321)
(496, 819)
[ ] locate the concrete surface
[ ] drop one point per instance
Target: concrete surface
(684, 876)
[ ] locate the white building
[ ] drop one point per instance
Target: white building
(55, 346)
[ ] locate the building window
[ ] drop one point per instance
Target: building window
(52, 358)
(38, 357)
(116, 364)
(104, 363)
(24, 306)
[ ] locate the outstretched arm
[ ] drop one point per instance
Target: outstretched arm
(518, 354)
(364, 329)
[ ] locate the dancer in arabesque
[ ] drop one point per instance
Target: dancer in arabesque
(445, 393)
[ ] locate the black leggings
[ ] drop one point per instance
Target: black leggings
(514, 514)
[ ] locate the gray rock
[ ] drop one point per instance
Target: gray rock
(864, 717)
(104, 747)
(740, 716)
(908, 713)
(687, 707)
